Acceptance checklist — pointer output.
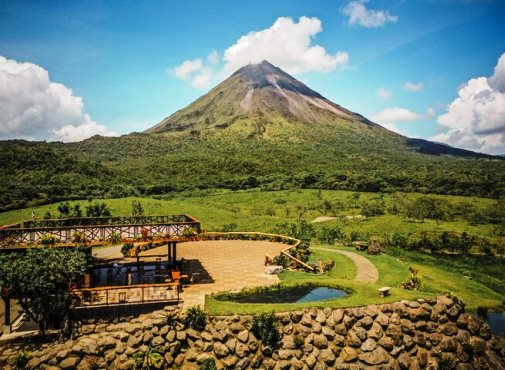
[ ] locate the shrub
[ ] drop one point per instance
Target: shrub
(79, 237)
(329, 235)
(281, 260)
(115, 238)
(265, 328)
(21, 360)
(49, 239)
(152, 358)
(482, 312)
(196, 318)
(125, 249)
(208, 364)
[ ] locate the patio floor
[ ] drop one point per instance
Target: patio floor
(227, 265)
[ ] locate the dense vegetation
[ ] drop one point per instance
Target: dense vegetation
(35, 173)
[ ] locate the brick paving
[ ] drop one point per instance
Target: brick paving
(224, 265)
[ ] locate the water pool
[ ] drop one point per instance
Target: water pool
(292, 295)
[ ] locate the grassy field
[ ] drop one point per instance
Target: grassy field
(262, 211)
(256, 210)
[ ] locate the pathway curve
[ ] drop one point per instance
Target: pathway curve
(367, 272)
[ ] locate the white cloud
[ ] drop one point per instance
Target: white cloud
(358, 14)
(475, 120)
(393, 115)
(187, 68)
(414, 87)
(286, 44)
(213, 57)
(33, 107)
(203, 78)
(384, 93)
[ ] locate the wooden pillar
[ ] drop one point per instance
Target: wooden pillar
(7, 314)
(175, 252)
(169, 251)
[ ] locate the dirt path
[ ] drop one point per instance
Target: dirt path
(367, 272)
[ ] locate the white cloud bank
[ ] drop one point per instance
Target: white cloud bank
(475, 120)
(286, 44)
(358, 14)
(33, 107)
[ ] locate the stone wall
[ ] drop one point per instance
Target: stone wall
(432, 333)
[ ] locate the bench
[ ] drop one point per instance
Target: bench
(384, 291)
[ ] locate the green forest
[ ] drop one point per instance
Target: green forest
(36, 173)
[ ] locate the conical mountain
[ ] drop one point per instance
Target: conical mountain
(261, 99)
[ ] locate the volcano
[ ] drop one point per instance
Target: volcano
(261, 98)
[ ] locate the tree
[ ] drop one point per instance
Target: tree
(98, 210)
(137, 209)
(39, 280)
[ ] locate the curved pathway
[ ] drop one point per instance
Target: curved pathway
(367, 272)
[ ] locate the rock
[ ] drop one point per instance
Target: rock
(273, 270)
(352, 339)
(311, 361)
(321, 318)
(448, 344)
(376, 357)
(478, 344)
(340, 329)
(170, 337)
(231, 344)
(375, 331)
(70, 363)
(284, 354)
(382, 320)
(306, 321)
(448, 329)
(320, 341)
(87, 329)
(106, 343)
(157, 341)
(221, 350)
(404, 361)
(368, 345)
(243, 336)
(349, 321)
(110, 355)
(242, 350)
(422, 357)
(327, 357)
(366, 322)
(181, 336)
(296, 316)
(328, 333)
(337, 316)
(134, 342)
(417, 314)
(372, 311)
(485, 331)
(243, 363)
(387, 343)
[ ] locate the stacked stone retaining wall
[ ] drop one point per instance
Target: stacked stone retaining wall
(422, 334)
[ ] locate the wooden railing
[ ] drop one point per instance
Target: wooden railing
(97, 228)
(124, 294)
(246, 235)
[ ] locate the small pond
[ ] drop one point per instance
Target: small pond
(292, 295)
(496, 321)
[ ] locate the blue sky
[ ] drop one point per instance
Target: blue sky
(73, 69)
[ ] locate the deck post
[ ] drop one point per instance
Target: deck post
(7, 313)
(175, 252)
